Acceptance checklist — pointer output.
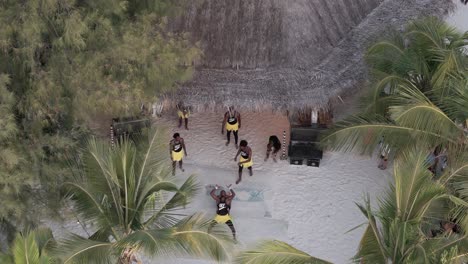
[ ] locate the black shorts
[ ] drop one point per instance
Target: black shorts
(240, 168)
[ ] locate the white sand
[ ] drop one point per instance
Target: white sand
(459, 17)
(311, 208)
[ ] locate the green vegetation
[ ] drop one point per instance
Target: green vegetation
(68, 66)
(15, 174)
(31, 247)
(406, 227)
(418, 95)
(276, 252)
(129, 195)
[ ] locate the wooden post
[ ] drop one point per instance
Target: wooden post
(283, 155)
(112, 135)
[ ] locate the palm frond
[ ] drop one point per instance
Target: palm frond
(456, 177)
(90, 205)
(385, 54)
(371, 247)
(25, 249)
(161, 216)
(430, 33)
(377, 101)
(157, 242)
(187, 238)
(276, 252)
(363, 133)
(414, 188)
(77, 249)
(44, 239)
(102, 235)
(152, 158)
(191, 233)
(455, 105)
(408, 211)
(411, 108)
(5, 258)
(101, 174)
(186, 193)
(449, 67)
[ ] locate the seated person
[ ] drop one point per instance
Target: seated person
(274, 145)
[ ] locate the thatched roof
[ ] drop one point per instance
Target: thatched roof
(287, 54)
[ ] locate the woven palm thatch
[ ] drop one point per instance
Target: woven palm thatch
(286, 54)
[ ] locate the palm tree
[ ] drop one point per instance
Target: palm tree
(129, 194)
(31, 247)
(276, 252)
(400, 230)
(419, 92)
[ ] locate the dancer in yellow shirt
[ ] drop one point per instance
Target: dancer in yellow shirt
(177, 151)
(223, 203)
(183, 113)
(231, 122)
(245, 159)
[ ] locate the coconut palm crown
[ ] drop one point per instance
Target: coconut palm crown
(408, 227)
(128, 192)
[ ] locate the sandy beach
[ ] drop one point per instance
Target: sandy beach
(459, 17)
(311, 208)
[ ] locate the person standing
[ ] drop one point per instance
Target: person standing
(183, 112)
(223, 204)
(274, 145)
(384, 153)
(245, 159)
(232, 123)
(177, 151)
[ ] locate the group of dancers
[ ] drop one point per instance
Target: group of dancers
(231, 124)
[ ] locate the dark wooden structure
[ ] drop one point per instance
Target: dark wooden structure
(128, 126)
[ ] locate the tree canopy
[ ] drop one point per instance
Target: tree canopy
(418, 93)
(64, 65)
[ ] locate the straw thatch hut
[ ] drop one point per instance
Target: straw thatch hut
(286, 54)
